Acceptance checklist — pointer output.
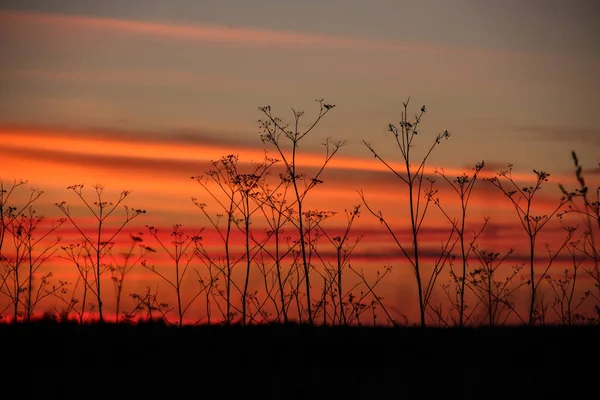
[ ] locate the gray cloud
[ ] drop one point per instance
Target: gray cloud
(562, 133)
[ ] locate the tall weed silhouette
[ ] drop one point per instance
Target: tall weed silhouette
(275, 133)
(420, 193)
(590, 211)
(522, 199)
(96, 244)
(32, 246)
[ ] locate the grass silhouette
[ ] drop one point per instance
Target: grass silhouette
(269, 236)
(278, 317)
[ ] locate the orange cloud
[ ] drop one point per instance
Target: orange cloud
(158, 170)
(67, 144)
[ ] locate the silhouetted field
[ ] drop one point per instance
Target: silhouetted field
(67, 360)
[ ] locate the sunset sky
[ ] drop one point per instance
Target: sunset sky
(143, 94)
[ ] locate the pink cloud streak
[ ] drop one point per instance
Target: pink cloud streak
(213, 33)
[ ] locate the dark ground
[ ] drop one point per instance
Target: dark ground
(151, 361)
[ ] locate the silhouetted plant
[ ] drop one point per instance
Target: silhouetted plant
(98, 241)
(13, 219)
(532, 224)
(19, 271)
(493, 293)
(8, 213)
(243, 198)
(456, 294)
(148, 302)
(565, 305)
(343, 251)
(277, 241)
(276, 214)
(257, 300)
(346, 306)
(248, 186)
(463, 186)
(182, 259)
(225, 265)
(210, 283)
(590, 210)
(414, 180)
(273, 130)
(376, 300)
(120, 269)
(313, 231)
(81, 255)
